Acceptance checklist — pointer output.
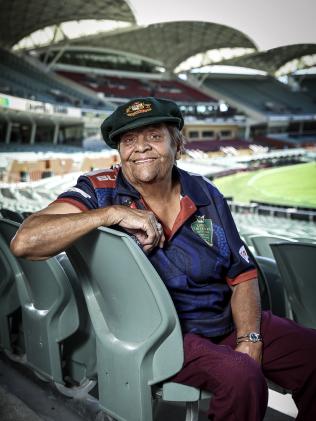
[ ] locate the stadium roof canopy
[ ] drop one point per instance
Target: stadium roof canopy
(19, 18)
(172, 43)
(272, 60)
(169, 43)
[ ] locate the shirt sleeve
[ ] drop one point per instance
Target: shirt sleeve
(82, 195)
(241, 267)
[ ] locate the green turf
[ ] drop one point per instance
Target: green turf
(290, 185)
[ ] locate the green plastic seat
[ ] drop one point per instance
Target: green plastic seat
(297, 265)
(139, 340)
(59, 338)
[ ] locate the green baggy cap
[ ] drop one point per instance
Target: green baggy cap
(137, 113)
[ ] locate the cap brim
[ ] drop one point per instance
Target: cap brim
(140, 123)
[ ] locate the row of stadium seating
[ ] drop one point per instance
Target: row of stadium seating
(251, 223)
(264, 94)
(21, 78)
(216, 145)
(123, 87)
(307, 84)
(47, 326)
(95, 342)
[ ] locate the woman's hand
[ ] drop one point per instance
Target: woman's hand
(253, 349)
(141, 223)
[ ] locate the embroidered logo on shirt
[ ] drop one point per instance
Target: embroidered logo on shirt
(204, 228)
(243, 253)
(137, 108)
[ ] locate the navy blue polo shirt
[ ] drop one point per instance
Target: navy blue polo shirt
(203, 254)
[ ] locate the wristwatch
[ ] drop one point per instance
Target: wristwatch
(250, 337)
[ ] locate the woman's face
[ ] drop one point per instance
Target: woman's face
(147, 154)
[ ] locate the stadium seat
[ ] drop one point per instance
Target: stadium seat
(275, 294)
(272, 293)
(59, 340)
(12, 215)
(297, 265)
(10, 314)
(261, 243)
(139, 340)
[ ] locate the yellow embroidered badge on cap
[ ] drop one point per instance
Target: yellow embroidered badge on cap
(137, 108)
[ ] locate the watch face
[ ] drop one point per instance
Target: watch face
(254, 337)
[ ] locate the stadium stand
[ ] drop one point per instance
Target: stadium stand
(263, 93)
(216, 145)
(252, 103)
(123, 87)
(250, 223)
(21, 78)
(307, 84)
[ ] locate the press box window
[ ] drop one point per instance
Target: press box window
(226, 133)
(193, 135)
(208, 134)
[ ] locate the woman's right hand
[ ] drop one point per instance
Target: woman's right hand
(141, 223)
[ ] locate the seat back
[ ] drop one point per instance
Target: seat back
(49, 310)
(9, 300)
(139, 341)
(265, 297)
(297, 265)
(275, 293)
(11, 215)
(261, 243)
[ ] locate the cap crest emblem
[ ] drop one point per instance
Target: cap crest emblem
(138, 107)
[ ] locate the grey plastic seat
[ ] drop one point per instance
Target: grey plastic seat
(139, 340)
(297, 265)
(278, 301)
(261, 243)
(59, 339)
(10, 309)
(11, 215)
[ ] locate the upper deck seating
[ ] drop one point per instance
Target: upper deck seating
(21, 78)
(216, 145)
(123, 87)
(264, 94)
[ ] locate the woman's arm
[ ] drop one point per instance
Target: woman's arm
(53, 229)
(246, 309)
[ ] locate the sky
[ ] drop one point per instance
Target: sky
(268, 23)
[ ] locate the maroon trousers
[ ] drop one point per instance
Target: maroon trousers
(238, 383)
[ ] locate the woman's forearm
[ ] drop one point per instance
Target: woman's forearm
(45, 235)
(246, 307)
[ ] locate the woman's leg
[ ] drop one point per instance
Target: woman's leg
(289, 359)
(239, 388)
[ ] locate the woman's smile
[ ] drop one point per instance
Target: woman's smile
(142, 161)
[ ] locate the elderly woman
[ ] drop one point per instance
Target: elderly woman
(183, 224)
